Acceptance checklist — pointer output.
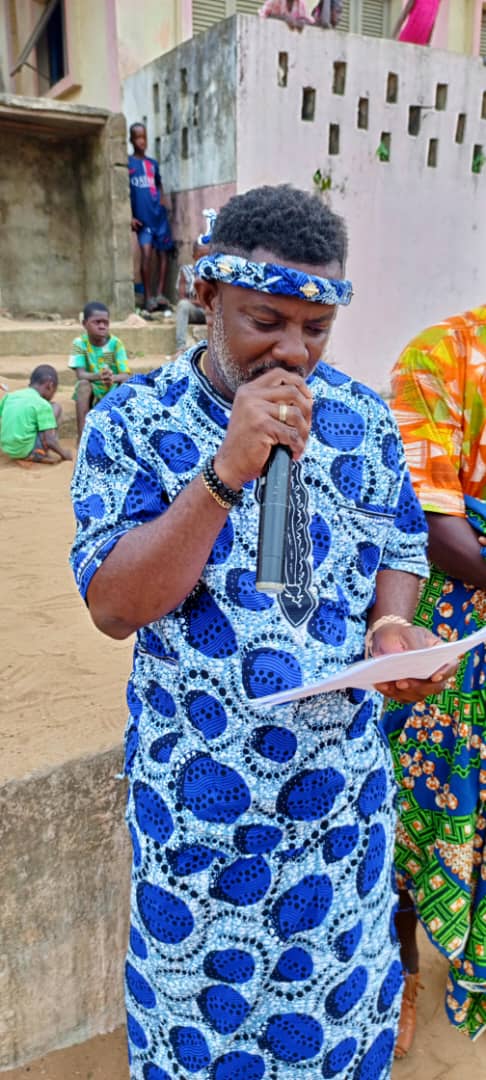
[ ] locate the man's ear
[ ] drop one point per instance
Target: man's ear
(207, 294)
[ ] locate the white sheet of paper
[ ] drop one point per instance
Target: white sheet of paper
(414, 664)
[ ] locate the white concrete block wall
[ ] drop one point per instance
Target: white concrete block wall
(417, 233)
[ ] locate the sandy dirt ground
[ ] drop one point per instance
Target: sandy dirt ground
(63, 683)
(63, 690)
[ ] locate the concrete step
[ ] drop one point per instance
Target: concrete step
(35, 338)
(15, 370)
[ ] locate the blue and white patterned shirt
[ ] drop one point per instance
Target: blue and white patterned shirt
(353, 512)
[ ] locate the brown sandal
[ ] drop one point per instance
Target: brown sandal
(408, 1015)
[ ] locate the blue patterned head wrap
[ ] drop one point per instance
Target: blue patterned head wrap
(273, 278)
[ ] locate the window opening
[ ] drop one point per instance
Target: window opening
(414, 119)
(392, 88)
(433, 153)
(334, 138)
(308, 103)
(283, 68)
(363, 113)
(339, 77)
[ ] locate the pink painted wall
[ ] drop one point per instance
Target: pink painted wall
(187, 214)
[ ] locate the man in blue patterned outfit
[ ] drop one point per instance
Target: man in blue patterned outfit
(261, 940)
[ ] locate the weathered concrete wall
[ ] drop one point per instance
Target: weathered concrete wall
(64, 212)
(105, 218)
(64, 868)
(40, 253)
(190, 116)
(187, 100)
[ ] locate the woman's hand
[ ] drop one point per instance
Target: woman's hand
(394, 638)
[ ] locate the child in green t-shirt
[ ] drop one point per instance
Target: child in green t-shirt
(29, 419)
(99, 359)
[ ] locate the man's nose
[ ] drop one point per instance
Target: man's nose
(291, 349)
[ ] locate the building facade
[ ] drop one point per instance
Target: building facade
(393, 135)
(81, 50)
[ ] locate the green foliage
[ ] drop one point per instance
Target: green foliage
(478, 161)
(321, 182)
(383, 152)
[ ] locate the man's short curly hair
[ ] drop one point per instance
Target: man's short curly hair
(292, 224)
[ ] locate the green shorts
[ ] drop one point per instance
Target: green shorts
(97, 394)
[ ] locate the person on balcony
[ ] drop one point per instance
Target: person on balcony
(327, 13)
(293, 12)
(417, 21)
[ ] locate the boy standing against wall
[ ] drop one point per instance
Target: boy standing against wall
(149, 216)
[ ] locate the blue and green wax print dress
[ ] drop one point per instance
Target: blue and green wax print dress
(261, 941)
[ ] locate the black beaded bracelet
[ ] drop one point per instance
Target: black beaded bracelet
(224, 495)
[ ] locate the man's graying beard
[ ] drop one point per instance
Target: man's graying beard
(227, 366)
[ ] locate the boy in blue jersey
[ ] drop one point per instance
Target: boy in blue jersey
(149, 216)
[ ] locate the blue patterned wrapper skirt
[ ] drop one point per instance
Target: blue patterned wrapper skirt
(262, 941)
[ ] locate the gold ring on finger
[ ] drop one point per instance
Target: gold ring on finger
(283, 410)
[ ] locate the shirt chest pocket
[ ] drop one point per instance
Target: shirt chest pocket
(359, 537)
(355, 538)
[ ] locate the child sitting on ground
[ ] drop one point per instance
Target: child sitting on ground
(99, 360)
(29, 419)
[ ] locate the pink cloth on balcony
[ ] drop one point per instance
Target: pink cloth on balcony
(279, 9)
(420, 23)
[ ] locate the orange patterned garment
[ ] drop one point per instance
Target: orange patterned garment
(439, 400)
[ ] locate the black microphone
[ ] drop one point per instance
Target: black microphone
(274, 514)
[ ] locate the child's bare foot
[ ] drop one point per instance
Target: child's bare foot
(40, 457)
